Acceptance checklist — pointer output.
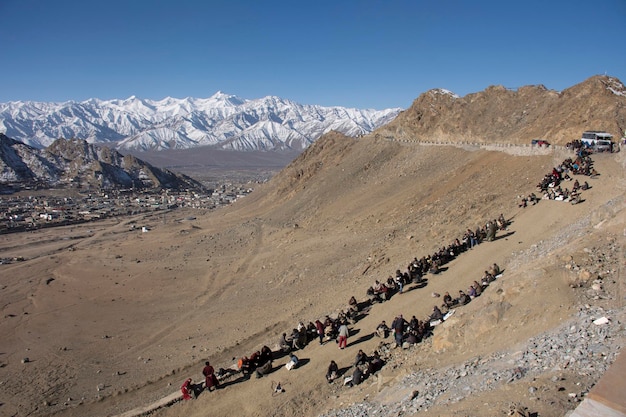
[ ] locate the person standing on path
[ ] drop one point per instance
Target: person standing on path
(210, 380)
(319, 326)
(344, 332)
(399, 325)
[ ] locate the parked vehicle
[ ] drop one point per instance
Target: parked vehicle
(597, 141)
(540, 142)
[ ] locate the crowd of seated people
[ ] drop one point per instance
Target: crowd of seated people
(418, 330)
(260, 362)
(560, 194)
(551, 186)
(417, 269)
(561, 173)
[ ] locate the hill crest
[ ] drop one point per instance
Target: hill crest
(501, 115)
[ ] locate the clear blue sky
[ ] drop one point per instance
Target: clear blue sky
(363, 54)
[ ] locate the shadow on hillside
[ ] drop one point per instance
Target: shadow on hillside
(274, 369)
(361, 314)
(241, 378)
(354, 332)
(342, 371)
(302, 362)
(504, 236)
(364, 306)
(417, 286)
(361, 339)
(277, 354)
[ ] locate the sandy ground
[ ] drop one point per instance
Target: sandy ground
(112, 319)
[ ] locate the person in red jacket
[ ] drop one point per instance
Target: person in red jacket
(187, 389)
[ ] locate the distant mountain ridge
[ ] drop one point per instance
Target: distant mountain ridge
(76, 163)
(222, 121)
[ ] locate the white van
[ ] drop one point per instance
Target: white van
(597, 141)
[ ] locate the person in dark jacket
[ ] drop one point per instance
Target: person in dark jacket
(436, 314)
(399, 325)
(333, 372)
(361, 358)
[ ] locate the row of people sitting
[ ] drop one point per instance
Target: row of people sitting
(474, 290)
(414, 331)
(382, 291)
(328, 330)
(559, 194)
(259, 362)
(325, 330)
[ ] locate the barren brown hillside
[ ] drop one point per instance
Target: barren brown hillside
(514, 116)
(112, 319)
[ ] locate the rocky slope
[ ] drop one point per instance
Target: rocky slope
(499, 115)
(76, 163)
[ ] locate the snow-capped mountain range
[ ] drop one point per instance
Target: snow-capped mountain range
(222, 121)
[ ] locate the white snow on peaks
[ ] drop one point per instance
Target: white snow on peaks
(444, 92)
(616, 87)
(224, 121)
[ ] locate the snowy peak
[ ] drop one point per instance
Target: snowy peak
(222, 121)
(227, 99)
